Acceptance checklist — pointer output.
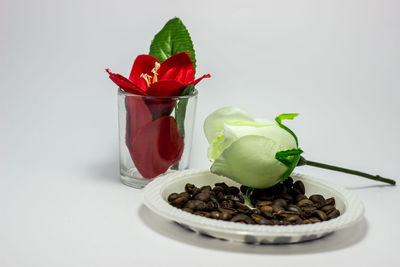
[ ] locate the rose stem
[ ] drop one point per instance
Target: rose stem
(303, 161)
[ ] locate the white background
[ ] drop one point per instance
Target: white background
(337, 63)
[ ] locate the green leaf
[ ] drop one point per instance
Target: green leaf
(173, 38)
(180, 109)
(289, 158)
(287, 116)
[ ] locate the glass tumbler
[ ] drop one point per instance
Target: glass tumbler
(155, 135)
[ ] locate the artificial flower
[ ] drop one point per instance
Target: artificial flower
(244, 149)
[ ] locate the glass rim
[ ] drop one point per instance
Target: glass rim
(194, 93)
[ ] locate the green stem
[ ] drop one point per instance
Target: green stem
(303, 161)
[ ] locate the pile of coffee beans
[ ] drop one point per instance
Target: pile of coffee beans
(282, 204)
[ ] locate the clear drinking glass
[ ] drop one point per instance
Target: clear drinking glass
(155, 135)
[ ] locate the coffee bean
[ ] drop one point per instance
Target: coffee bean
(228, 203)
(299, 186)
(238, 198)
(280, 202)
(260, 219)
(205, 188)
(304, 203)
(267, 209)
(239, 217)
(328, 208)
(293, 219)
(261, 203)
(288, 182)
(202, 214)
(223, 185)
(314, 220)
(232, 190)
(243, 189)
(317, 198)
(185, 194)
(286, 197)
(179, 202)
(203, 196)
(172, 197)
(187, 210)
(321, 215)
(333, 214)
(294, 208)
(215, 215)
(299, 197)
(190, 188)
(218, 189)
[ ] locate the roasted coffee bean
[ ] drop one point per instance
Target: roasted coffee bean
(199, 205)
(293, 208)
(191, 204)
(225, 216)
(286, 197)
(172, 197)
(293, 219)
(317, 198)
(306, 222)
(288, 182)
(203, 196)
(276, 208)
(241, 206)
(228, 203)
(239, 217)
(266, 208)
(218, 189)
(308, 210)
(205, 188)
(188, 210)
(190, 188)
(267, 214)
(329, 201)
(179, 202)
(300, 187)
(185, 194)
(215, 215)
(260, 219)
(232, 190)
(279, 202)
(261, 203)
(235, 198)
(243, 189)
(256, 211)
(314, 220)
(259, 194)
(321, 215)
(220, 196)
(211, 206)
(333, 214)
(202, 214)
(299, 197)
(328, 208)
(304, 203)
(223, 185)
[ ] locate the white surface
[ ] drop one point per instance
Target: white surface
(156, 193)
(337, 63)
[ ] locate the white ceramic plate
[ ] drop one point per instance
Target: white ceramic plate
(157, 191)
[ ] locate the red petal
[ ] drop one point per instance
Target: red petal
(157, 147)
(178, 67)
(142, 64)
(137, 116)
(125, 84)
(160, 106)
(201, 78)
(166, 88)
